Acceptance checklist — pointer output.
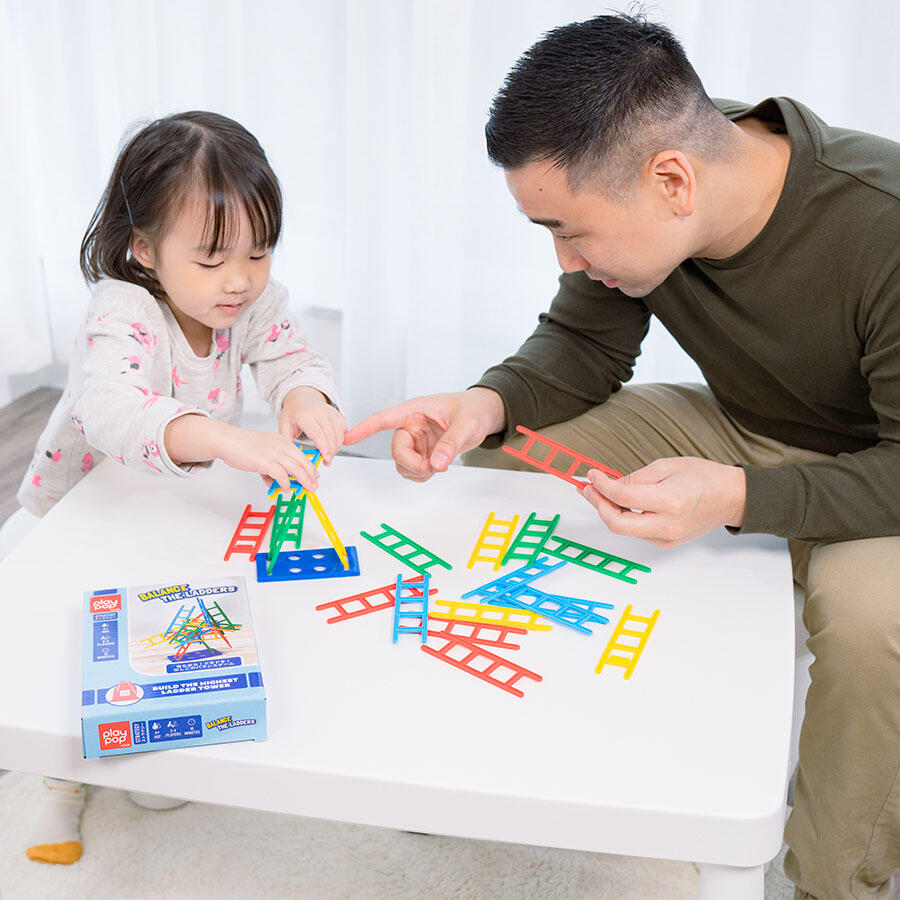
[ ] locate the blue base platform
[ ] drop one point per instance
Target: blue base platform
(299, 565)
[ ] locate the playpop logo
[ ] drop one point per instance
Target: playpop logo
(114, 735)
(109, 603)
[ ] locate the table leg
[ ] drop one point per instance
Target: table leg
(733, 882)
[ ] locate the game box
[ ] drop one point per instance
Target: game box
(170, 665)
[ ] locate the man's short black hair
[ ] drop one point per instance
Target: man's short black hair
(599, 98)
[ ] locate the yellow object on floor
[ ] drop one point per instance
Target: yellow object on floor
(65, 853)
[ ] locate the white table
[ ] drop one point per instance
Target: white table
(686, 760)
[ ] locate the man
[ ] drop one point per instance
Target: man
(768, 243)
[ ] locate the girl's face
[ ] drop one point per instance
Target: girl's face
(205, 291)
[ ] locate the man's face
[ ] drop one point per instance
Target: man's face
(632, 246)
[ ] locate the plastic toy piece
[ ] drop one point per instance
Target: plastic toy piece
(461, 611)
(301, 565)
(287, 525)
(494, 541)
(595, 560)
(624, 654)
(315, 457)
(329, 530)
(359, 604)
(556, 449)
(484, 635)
(180, 619)
(504, 585)
(249, 534)
(481, 663)
(406, 550)
(411, 604)
(569, 611)
(215, 615)
(531, 538)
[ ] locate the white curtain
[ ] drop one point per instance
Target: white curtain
(372, 114)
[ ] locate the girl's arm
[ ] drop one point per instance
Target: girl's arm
(193, 438)
(296, 381)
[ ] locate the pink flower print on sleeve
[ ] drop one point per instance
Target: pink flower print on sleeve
(87, 462)
(238, 387)
(54, 455)
(36, 481)
(143, 337)
(77, 423)
(152, 396)
(216, 398)
(190, 407)
(150, 451)
(133, 365)
(274, 334)
(176, 381)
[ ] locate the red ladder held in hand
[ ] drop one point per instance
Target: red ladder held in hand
(554, 450)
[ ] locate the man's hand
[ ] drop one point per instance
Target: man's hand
(671, 501)
(432, 431)
(306, 410)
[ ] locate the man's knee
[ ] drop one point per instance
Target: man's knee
(852, 608)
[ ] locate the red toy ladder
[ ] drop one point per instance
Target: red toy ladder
(471, 658)
(249, 534)
(554, 450)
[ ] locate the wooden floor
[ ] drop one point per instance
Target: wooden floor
(21, 423)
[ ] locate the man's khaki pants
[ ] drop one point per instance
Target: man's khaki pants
(844, 832)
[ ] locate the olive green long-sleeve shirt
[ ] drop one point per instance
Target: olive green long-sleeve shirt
(797, 336)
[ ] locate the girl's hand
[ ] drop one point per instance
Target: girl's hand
(193, 438)
(307, 411)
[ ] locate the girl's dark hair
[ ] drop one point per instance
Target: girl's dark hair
(155, 174)
(599, 97)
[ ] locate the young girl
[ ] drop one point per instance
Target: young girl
(178, 253)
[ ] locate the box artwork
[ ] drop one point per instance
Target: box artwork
(170, 665)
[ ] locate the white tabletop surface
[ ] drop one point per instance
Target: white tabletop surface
(685, 760)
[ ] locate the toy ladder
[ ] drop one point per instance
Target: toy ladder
(502, 586)
(339, 548)
(626, 655)
(249, 534)
(484, 635)
(181, 619)
(155, 639)
(595, 560)
(407, 551)
(490, 615)
(531, 538)
(411, 604)
(287, 525)
(481, 663)
(493, 541)
(569, 611)
(215, 616)
(555, 449)
(361, 604)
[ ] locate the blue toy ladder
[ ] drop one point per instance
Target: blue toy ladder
(411, 604)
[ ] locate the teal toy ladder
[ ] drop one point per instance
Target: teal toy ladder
(411, 605)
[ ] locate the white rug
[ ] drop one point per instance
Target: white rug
(200, 851)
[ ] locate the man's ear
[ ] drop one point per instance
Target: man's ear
(674, 180)
(142, 249)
